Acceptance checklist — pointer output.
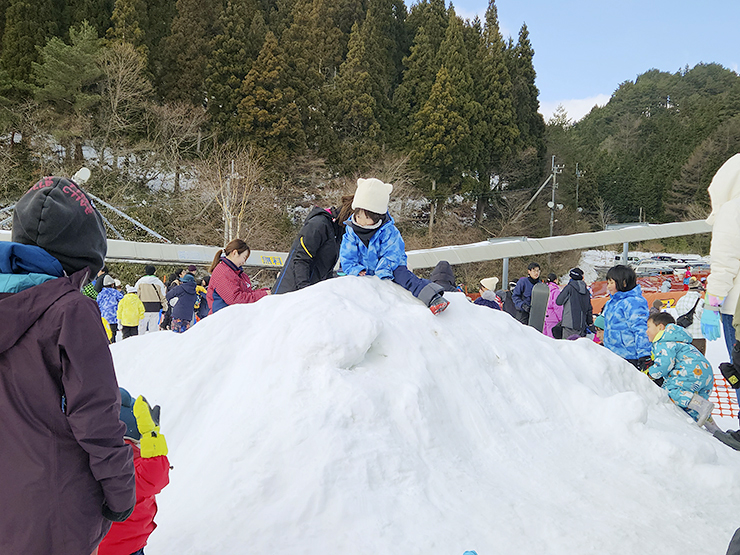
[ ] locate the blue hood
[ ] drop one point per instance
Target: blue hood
(23, 266)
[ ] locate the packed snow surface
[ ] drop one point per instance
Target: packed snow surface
(346, 418)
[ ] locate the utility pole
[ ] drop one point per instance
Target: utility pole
(579, 173)
(555, 171)
(227, 207)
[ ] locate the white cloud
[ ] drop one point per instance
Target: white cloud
(576, 108)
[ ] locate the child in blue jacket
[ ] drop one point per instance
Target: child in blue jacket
(625, 317)
(686, 374)
(373, 246)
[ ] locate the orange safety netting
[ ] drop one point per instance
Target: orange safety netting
(723, 397)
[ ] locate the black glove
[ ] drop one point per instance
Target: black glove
(729, 371)
(643, 363)
(525, 308)
(736, 355)
(116, 517)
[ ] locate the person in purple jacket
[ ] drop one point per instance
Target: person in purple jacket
(65, 471)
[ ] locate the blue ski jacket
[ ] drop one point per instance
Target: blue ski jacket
(625, 318)
(108, 300)
(680, 364)
(384, 253)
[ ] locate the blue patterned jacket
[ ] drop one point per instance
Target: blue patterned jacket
(625, 317)
(108, 300)
(384, 253)
(679, 362)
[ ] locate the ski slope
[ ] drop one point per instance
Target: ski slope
(346, 418)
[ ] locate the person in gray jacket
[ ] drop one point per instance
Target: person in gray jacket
(576, 302)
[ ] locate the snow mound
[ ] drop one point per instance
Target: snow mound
(346, 418)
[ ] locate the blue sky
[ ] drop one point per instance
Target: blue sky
(585, 49)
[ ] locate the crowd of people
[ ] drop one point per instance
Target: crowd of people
(99, 477)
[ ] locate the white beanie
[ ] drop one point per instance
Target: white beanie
(372, 195)
(130, 289)
(489, 283)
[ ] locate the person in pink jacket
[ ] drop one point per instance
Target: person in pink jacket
(229, 284)
(554, 313)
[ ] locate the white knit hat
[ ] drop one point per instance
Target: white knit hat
(372, 195)
(489, 283)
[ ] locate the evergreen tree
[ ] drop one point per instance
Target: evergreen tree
(356, 120)
(525, 94)
(188, 49)
(159, 16)
(268, 114)
(97, 13)
(495, 129)
(68, 76)
(241, 33)
(3, 8)
(129, 23)
(444, 144)
(417, 82)
(28, 25)
(313, 46)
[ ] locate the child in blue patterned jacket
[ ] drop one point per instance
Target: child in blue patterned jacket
(373, 246)
(686, 374)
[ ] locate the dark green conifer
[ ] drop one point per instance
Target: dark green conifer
(268, 115)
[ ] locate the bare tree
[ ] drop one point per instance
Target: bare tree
(604, 214)
(232, 179)
(124, 95)
(175, 131)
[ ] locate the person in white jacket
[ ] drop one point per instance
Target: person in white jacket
(684, 305)
(153, 295)
(723, 283)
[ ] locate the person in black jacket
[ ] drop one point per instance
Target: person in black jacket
(576, 302)
(316, 249)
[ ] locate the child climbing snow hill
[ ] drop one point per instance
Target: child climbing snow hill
(687, 375)
(152, 475)
(372, 245)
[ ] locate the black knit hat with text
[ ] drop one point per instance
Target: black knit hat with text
(576, 273)
(56, 215)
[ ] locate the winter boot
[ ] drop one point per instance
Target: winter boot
(703, 407)
(438, 304)
(731, 439)
(431, 295)
(711, 426)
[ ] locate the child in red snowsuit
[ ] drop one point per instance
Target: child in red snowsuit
(152, 475)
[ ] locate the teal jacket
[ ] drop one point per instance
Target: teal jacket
(678, 362)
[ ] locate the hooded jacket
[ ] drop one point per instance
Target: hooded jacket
(576, 302)
(130, 310)
(678, 362)
(62, 453)
(384, 252)
(152, 293)
(724, 191)
(625, 321)
(554, 312)
(185, 294)
(108, 300)
(314, 253)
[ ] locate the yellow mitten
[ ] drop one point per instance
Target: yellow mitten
(152, 443)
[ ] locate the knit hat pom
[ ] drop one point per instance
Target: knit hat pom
(372, 195)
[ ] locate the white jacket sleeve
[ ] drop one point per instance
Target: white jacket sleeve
(724, 279)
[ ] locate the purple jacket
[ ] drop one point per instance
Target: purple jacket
(553, 313)
(62, 452)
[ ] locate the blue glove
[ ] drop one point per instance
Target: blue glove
(710, 322)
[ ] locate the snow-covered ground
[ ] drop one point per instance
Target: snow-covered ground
(346, 418)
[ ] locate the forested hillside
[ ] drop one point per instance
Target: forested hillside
(196, 115)
(653, 149)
